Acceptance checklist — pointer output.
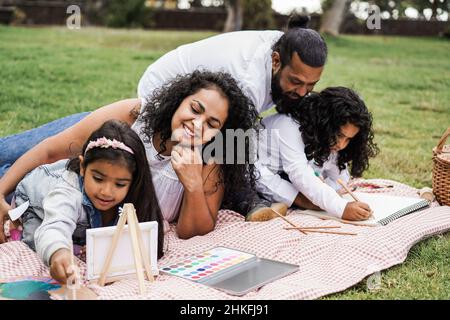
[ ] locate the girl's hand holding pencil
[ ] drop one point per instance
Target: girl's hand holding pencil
(357, 210)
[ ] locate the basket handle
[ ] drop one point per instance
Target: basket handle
(442, 141)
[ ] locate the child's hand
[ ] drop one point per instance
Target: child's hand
(356, 211)
(60, 265)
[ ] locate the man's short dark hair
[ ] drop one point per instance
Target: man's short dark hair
(309, 44)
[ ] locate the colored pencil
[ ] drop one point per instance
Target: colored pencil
(351, 194)
(329, 232)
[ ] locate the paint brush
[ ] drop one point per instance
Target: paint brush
(74, 274)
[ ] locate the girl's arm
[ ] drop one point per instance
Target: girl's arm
(53, 238)
(62, 207)
(203, 193)
(61, 146)
(301, 174)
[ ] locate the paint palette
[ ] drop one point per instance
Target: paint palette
(209, 264)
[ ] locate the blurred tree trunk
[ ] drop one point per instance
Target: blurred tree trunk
(94, 10)
(434, 8)
(334, 16)
(234, 17)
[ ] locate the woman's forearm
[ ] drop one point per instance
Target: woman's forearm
(195, 217)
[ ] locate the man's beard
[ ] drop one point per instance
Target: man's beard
(284, 103)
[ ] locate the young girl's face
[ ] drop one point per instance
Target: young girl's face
(346, 134)
(106, 183)
(199, 117)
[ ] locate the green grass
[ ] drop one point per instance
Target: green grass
(47, 73)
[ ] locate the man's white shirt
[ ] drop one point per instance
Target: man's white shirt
(246, 55)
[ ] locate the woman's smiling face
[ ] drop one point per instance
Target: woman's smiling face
(199, 117)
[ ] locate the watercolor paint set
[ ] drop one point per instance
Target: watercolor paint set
(233, 271)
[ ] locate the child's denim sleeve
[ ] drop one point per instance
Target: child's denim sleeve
(62, 207)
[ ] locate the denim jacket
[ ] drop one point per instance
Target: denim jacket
(57, 197)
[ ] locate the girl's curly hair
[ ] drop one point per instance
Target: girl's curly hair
(321, 115)
(162, 104)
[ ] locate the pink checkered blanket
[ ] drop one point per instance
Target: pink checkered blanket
(328, 263)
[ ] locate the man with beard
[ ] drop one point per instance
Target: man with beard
(272, 67)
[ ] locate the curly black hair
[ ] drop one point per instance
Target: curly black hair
(162, 104)
(321, 115)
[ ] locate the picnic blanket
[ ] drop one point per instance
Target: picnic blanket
(328, 263)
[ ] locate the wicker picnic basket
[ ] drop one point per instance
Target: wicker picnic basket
(441, 171)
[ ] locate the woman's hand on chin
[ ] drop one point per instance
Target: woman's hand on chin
(188, 165)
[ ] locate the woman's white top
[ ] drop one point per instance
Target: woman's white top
(168, 188)
(281, 149)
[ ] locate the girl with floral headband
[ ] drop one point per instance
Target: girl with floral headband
(69, 196)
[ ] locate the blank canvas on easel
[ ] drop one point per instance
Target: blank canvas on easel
(98, 242)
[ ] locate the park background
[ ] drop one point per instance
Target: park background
(49, 69)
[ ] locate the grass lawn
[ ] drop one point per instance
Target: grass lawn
(47, 73)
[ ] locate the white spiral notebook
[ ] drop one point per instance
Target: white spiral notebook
(386, 208)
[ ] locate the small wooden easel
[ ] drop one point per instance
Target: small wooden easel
(140, 253)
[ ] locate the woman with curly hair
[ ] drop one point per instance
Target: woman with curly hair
(175, 123)
(312, 145)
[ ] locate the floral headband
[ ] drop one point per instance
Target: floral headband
(107, 143)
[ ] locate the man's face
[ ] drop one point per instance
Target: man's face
(293, 81)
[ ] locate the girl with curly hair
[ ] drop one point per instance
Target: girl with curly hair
(175, 123)
(312, 146)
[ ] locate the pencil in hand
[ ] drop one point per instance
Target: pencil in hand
(352, 194)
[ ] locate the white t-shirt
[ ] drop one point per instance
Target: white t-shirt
(246, 55)
(281, 149)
